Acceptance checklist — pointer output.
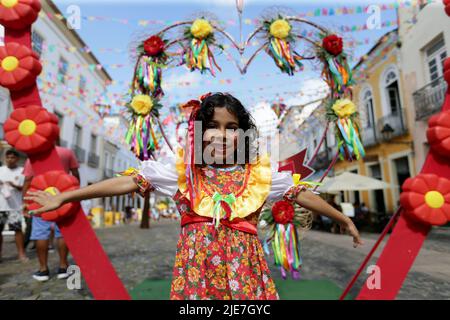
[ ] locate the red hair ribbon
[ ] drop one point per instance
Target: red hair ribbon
(191, 177)
(206, 95)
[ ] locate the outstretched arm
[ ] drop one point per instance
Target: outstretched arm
(313, 202)
(107, 188)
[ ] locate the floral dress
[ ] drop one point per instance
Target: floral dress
(219, 260)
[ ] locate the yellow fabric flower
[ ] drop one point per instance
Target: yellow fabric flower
(201, 28)
(344, 108)
(280, 28)
(142, 104)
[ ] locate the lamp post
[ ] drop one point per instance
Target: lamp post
(388, 132)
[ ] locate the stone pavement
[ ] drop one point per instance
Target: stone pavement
(142, 254)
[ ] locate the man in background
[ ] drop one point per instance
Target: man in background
(11, 183)
(41, 229)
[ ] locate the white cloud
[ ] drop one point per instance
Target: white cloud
(310, 90)
(176, 81)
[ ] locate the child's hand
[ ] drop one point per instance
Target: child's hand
(48, 201)
(350, 229)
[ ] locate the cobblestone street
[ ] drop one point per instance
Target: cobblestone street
(149, 254)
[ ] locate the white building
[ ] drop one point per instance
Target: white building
(70, 85)
(425, 37)
(303, 127)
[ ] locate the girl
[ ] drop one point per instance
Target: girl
(219, 255)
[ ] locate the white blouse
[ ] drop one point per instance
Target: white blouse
(164, 178)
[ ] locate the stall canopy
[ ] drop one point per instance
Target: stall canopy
(348, 181)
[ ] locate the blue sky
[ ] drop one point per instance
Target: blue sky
(257, 89)
(263, 81)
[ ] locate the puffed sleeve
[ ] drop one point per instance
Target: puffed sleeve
(281, 183)
(161, 177)
(283, 187)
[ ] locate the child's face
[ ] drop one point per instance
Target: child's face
(220, 136)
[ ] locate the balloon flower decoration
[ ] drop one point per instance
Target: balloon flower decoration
(15, 14)
(31, 130)
(55, 182)
(19, 66)
(143, 109)
(343, 113)
(426, 198)
(438, 133)
(281, 43)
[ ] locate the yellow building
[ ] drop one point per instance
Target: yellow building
(384, 118)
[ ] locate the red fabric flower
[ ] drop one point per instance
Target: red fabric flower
(31, 129)
(333, 44)
(153, 46)
(53, 182)
(283, 212)
(438, 133)
(426, 199)
(19, 14)
(19, 66)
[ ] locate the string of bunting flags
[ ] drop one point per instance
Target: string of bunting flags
(318, 12)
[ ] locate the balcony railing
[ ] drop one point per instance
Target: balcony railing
(394, 123)
(80, 153)
(369, 136)
(429, 99)
(93, 160)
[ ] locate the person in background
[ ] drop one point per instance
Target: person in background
(11, 183)
(41, 229)
(363, 214)
(128, 214)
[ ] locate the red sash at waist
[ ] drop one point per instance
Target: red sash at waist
(237, 223)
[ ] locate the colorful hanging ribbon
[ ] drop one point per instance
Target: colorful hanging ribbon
(349, 142)
(283, 55)
(286, 249)
(147, 79)
(222, 204)
(200, 57)
(339, 75)
(141, 137)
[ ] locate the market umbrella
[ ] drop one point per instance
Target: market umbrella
(348, 181)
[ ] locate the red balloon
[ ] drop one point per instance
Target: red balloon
(447, 7)
(32, 129)
(426, 198)
(20, 14)
(50, 181)
(447, 68)
(438, 133)
(19, 66)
